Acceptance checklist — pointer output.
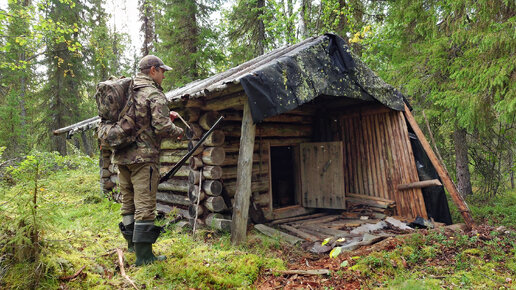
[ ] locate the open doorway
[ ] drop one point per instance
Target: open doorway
(283, 181)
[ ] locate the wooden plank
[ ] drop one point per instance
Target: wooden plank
(419, 193)
(324, 219)
(367, 156)
(322, 175)
(381, 162)
(290, 211)
(245, 165)
(374, 158)
(367, 202)
(395, 166)
(323, 229)
(268, 231)
(300, 233)
(420, 184)
(297, 174)
(363, 196)
(443, 174)
(298, 218)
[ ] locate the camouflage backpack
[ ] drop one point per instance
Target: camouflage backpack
(116, 106)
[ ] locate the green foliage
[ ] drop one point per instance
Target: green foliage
(498, 210)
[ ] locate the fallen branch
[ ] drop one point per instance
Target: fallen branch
(122, 269)
(304, 272)
(68, 278)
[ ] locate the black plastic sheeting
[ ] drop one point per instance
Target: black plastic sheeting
(322, 67)
(434, 196)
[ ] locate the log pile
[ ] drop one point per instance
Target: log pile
(359, 205)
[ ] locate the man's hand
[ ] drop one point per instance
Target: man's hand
(173, 115)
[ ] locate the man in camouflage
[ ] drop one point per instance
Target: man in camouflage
(138, 163)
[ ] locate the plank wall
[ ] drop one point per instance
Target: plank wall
(378, 157)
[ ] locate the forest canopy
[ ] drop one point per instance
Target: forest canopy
(455, 60)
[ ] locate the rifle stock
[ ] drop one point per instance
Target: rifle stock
(178, 165)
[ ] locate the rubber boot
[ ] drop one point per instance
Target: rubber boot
(145, 234)
(144, 254)
(127, 232)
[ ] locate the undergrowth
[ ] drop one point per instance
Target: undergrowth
(78, 227)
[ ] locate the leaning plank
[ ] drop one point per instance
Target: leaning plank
(448, 183)
(300, 233)
(268, 231)
(420, 184)
(298, 218)
(172, 198)
(363, 196)
(291, 211)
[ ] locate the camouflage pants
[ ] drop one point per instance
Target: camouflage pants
(138, 185)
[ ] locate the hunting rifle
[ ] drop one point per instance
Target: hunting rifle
(178, 165)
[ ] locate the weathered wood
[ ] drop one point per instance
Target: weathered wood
(217, 221)
(420, 184)
(180, 185)
(322, 175)
(268, 231)
(194, 177)
(233, 159)
(324, 219)
(173, 144)
(321, 228)
(212, 172)
(256, 186)
(300, 233)
(216, 138)
(213, 155)
(194, 132)
(208, 119)
(298, 218)
(273, 130)
(192, 144)
(363, 196)
(196, 163)
(231, 172)
(184, 171)
(215, 204)
(193, 193)
(289, 211)
(443, 174)
(167, 209)
(194, 210)
(192, 114)
(212, 187)
(261, 199)
(172, 198)
(369, 202)
(172, 156)
(232, 147)
(232, 101)
(245, 164)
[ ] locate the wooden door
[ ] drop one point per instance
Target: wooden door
(322, 176)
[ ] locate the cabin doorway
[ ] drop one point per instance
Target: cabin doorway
(283, 176)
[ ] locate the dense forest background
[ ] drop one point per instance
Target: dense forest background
(455, 60)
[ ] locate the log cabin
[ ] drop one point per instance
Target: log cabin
(306, 127)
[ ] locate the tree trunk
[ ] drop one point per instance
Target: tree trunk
(462, 162)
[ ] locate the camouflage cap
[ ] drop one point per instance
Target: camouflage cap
(149, 61)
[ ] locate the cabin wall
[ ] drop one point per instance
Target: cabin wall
(376, 151)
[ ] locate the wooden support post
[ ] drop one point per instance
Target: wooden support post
(448, 183)
(243, 190)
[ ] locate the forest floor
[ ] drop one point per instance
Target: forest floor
(77, 238)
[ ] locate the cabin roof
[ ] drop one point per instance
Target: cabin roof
(288, 77)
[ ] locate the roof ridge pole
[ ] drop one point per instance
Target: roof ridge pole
(244, 171)
(443, 174)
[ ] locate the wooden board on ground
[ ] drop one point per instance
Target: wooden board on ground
(268, 231)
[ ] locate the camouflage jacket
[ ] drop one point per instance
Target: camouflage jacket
(152, 113)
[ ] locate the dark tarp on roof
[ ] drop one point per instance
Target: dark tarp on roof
(321, 67)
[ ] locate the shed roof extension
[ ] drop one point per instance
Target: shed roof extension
(288, 77)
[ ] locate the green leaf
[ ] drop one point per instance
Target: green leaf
(335, 252)
(345, 263)
(327, 240)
